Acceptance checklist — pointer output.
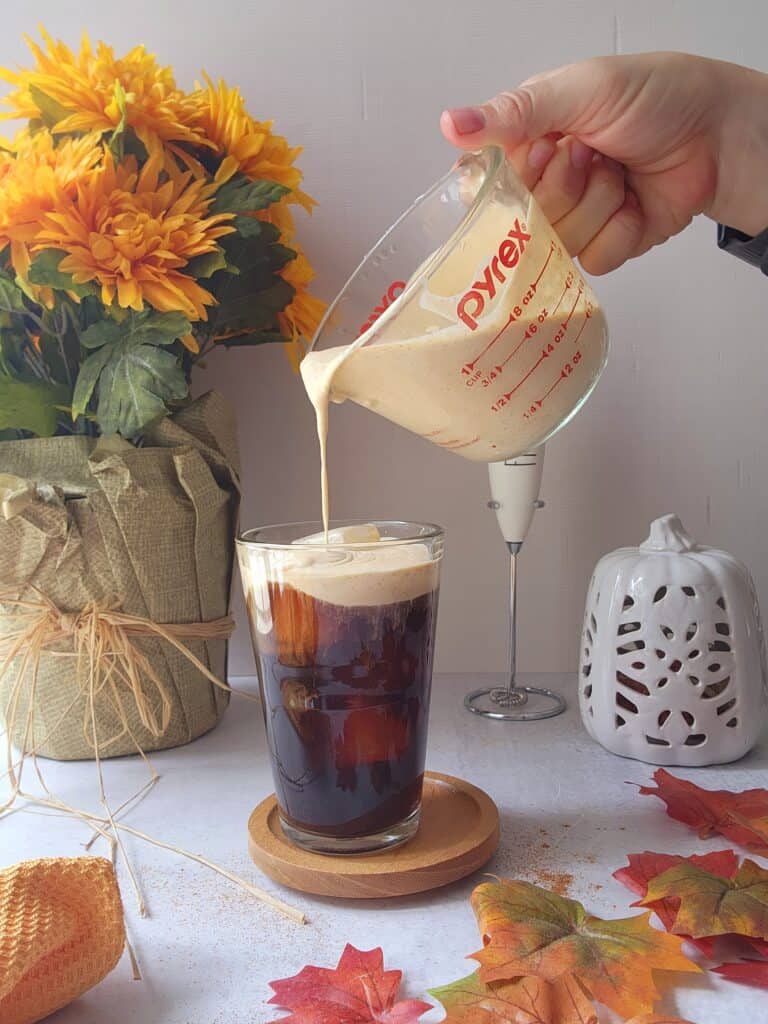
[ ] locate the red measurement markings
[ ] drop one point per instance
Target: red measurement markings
(568, 285)
(546, 262)
(573, 309)
(469, 367)
(501, 402)
(587, 315)
(485, 380)
(565, 373)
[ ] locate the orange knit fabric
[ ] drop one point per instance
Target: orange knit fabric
(61, 932)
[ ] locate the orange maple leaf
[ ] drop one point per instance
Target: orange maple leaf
(529, 931)
(657, 1018)
(741, 817)
(522, 1001)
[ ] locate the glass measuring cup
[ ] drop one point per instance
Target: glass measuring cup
(467, 323)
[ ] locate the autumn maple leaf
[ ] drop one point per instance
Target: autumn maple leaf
(643, 867)
(657, 1018)
(529, 931)
(747, 972)
(521, 1001)
(741, 817)
(357, 991)
(712, 905)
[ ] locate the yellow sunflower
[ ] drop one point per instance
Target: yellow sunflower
(82, 89)
(133, 234)
(221, 116)
(37, 177)
(300, 318)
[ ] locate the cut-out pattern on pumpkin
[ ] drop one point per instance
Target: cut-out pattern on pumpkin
(688, 670)
(672, 664)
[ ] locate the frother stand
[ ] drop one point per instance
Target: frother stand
(514, 498)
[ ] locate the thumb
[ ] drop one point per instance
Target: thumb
(554, 102)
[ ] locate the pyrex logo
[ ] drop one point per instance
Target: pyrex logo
(512, 247)
(386, 300)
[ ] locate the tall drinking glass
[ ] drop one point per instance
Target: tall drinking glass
(343, 635)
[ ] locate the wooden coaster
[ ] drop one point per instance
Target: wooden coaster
(459, 832)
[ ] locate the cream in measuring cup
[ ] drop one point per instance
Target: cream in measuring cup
(495, 351)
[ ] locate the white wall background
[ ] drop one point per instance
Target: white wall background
(679, 421)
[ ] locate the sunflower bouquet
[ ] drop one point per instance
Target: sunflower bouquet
(141, 226)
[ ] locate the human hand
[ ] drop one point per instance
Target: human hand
(622, 152)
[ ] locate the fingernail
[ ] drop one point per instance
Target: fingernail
(581, 154)
(467, 120)
(540, 154)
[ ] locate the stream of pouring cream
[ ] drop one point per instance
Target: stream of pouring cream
(488, 392)
(318, 374)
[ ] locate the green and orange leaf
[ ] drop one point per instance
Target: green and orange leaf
(713, 905)
(529, 931)
(643, 867)
(521, 1001)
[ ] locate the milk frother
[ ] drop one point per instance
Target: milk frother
(515, 485)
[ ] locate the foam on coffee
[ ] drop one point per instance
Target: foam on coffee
(373, 574)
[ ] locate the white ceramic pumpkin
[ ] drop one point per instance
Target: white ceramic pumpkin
(672, 667)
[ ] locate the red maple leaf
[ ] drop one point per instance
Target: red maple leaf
(643, 867)
(357, 991)
(740, 817)
(748, 972)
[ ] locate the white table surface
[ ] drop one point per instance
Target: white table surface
(207, 950)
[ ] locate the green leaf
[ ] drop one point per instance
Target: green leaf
(148, 328)
(249, 227)
(250, 300)
(103, 332)
(244, 309)
(87, 378)
(117, 139)
(130, 371)
(30, 405)
(279, 255)
(45, 270)
(133, 146)
(240, 194)
(51, 111)
(134, 387)
(11, 297)
(208, 263)
(13, 342)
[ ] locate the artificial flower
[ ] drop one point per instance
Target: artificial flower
(133, 232)
(300, 318)
(260, 154)
(90, 90)
(37, 177)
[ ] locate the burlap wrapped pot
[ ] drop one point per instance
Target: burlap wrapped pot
(148, 530)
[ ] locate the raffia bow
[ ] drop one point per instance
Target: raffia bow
(110, 665)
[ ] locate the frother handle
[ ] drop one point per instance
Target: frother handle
(515, 487)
